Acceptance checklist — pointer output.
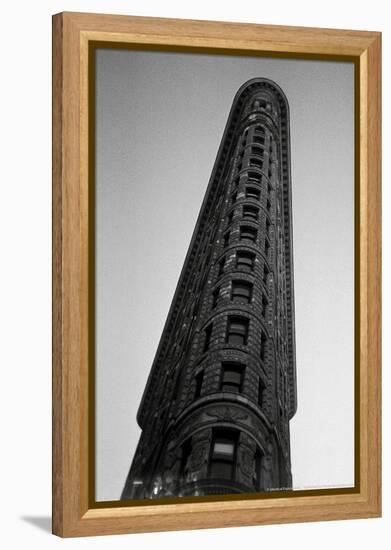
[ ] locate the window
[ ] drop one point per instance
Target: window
(263, 346)
(226, 239)
(258, 470)
(186, 452)
(254, 176)
(230, 218)
(199, 378)
(250, 212)
(215, 297)
(259, 104)
(234, 196)
(256, 162)
(176, 386)
(237, 331)
(260, 130)
(281, 381)
(268, 205)
(267, 227)
(253, 193)
(255, 150)
(241, 292)
(208, 335)
(267, 248)
(221, 266)
(266, 272)
(232, 377)
(264, 305)
(261, 392)
(260, 140)
(208, 258)
(245, 260)
(248, 233)
(223, 454)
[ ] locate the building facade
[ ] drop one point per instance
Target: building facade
(222, 389)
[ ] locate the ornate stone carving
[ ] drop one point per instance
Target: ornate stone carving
(246, 461)
(227, 414)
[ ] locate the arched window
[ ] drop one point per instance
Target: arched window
(245, 260)
(199, 378)
(256, 176)
(208, 336)
(254, 161)
(186, 452)
(263, 346)
(258, 474)
(248, 233)
(264, 306)
(221, 266)
(215, 297)
(267, 248)
(223, 454)
(266, 272)
(232, 375)
(230, 218)
(241, 292)
(253, 193)
(261, 392)
(250, 212)
(256, 150)
(259, 140)
(237, 330)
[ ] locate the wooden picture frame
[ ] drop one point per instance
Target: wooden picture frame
(74, 36)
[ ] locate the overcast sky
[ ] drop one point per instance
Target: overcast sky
(160, 119)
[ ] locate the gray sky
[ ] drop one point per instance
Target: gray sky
(160, 119)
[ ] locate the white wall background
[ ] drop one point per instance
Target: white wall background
(25, 285)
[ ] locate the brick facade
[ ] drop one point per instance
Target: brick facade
(215, 412)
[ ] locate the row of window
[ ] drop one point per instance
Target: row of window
(250, 212)
(223, 457)
(255, 162)
(232, 377)
(253, 193)
(236, 334)
(241, 293)
(258, 137)
(247, 234)
(253, 177)
(262, 104)
(245, 261)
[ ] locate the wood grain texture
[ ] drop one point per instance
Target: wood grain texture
(57, 193)
(222, 34)
(72, 33)
(373, 221)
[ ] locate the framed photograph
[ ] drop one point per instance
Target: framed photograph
(216, 274)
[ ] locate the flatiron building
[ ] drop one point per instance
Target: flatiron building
(222, 389)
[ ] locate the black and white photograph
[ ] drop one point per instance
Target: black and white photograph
(192, 223)
(224, 275)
